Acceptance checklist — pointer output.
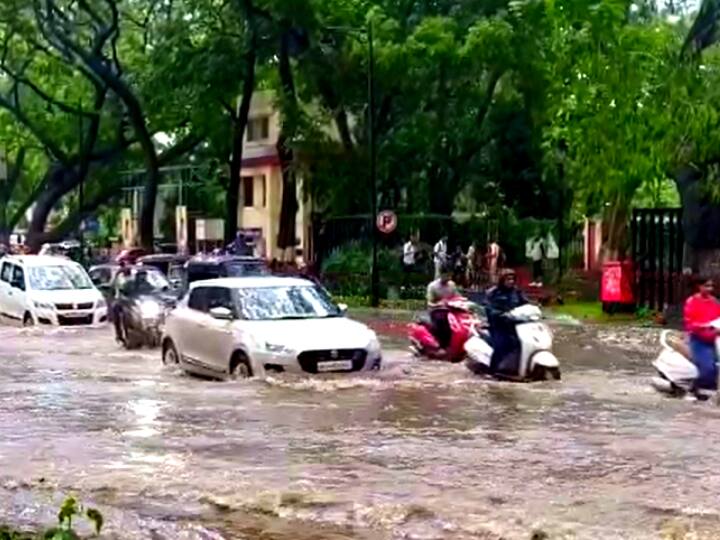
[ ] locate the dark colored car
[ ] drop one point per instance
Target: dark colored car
(219, 266)
(169, 264)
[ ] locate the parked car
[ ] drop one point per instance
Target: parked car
(202, 267)
(103, 274)
(169, 264)
(69, 248)
(240, 327)
(36, 289)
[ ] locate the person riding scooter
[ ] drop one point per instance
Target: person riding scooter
(701, 309)
(439, 292)
(502, 299)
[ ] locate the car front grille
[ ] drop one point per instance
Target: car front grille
(70, 307)
(64, 320)
(309, 359)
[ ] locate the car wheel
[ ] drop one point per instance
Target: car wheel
(240, 367)
(170, 355)
(28, 320)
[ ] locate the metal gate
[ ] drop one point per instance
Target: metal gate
(657, 250)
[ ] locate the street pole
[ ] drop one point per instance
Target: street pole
(81, 187)
(561, 222)
(375, 277)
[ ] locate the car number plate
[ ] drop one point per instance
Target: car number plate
(74, 315)
(335, 365)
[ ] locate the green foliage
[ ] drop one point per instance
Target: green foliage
(347, 269)
(69, 511)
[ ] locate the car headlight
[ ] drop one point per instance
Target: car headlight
(150, 310)
(275, 348)
(43, 305)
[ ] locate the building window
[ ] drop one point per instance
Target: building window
(254, 191)
(258, 129)
(262, 188)
(248, 184)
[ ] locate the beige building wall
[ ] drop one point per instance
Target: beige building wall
(260, 162)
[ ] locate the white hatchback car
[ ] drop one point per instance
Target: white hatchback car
(241, 327)
(36, 289)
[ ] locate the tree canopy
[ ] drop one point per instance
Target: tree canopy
(541, 108)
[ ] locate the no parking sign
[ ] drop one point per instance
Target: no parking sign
(386, 221)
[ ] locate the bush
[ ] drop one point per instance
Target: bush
(69, 510)
(347, 270)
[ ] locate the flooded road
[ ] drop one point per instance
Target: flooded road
(417, 451)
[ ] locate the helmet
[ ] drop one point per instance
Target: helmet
(505, 274)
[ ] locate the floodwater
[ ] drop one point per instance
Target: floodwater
(417, 451)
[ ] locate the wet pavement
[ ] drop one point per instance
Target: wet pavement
(417, 451)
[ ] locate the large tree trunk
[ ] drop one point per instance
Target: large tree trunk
(615, 232)
(58, 181)
(240, 120)
(287, 235)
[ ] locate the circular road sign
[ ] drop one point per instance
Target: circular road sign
(386, 221)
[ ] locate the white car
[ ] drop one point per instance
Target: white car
(244, 327)
(35, 289)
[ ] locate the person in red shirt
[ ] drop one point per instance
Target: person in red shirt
(701, 309)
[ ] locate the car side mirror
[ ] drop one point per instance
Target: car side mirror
(221, 314)
(343, 308)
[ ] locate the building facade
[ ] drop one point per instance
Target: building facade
(261, 183)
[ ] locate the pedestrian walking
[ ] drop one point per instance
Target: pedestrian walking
(473, 268)
(494, 261)
(440, 255)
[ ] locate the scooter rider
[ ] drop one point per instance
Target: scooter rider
(700, 310)
(439, 292)
(502, 299)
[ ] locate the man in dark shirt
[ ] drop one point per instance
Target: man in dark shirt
(502, 299)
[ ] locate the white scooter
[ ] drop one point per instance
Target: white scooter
(534, 361)
(676, 373)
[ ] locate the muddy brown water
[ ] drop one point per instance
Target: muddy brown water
(417, 451)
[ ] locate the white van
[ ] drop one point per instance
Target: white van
(36, 289)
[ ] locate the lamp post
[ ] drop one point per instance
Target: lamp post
(374, 274)
(372, 152)
(562, 152)
(81, 185)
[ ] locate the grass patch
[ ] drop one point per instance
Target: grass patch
(592, 312)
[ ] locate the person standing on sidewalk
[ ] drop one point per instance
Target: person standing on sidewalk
(494, 256)
(408, 259)
(440, 256)
(536, 252)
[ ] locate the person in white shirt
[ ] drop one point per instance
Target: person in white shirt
(537, 253)
(409, 252)
(440, 255)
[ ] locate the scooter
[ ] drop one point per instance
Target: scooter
(534, 361)
(676, 373)
(462, 320)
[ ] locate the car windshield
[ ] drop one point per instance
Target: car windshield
(243, 269)
(56, 278)
(277, 303)
(143, 282)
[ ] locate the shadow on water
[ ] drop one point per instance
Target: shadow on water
(423, 451)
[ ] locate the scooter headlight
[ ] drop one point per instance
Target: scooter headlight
(150, 310)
